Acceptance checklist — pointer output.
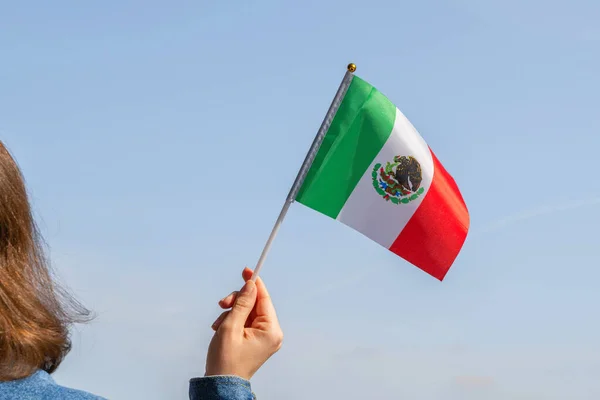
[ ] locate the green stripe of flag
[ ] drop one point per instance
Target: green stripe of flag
(361, 127)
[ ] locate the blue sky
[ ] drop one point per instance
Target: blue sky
(159, 140)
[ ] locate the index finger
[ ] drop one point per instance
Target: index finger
(264, 306)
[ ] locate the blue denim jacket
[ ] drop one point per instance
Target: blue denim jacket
(41, 386)
(220, 388)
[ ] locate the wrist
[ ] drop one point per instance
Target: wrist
(226, 373)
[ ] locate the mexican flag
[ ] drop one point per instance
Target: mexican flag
(375, 173)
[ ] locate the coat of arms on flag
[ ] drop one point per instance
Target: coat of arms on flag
(400, 181)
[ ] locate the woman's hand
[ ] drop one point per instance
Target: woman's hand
(247, 334)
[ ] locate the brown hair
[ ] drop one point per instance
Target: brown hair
(35, 312)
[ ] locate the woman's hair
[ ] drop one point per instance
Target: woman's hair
(35, 313)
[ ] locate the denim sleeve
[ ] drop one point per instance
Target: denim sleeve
(220, 388)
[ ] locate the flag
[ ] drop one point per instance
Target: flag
(375, 173)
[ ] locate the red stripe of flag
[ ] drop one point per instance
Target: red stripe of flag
(436, 232)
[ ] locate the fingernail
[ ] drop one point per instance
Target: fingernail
(248, 287)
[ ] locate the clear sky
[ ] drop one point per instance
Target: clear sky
(159, 140)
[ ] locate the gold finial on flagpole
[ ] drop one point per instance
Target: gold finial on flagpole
(351, 67)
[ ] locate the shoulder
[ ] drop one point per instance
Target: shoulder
(41, 386)
(63, 393)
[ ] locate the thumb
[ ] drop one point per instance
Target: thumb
(243, 305)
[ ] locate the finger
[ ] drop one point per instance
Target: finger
(244, 303)
(247, 274)
(215, 326)
(260, 285)
(229, 300)
(264, 304)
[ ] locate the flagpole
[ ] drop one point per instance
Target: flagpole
(308, 160)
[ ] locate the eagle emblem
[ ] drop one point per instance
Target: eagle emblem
(399, 181)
